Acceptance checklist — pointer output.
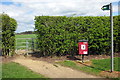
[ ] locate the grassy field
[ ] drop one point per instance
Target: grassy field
(26, 36)
(21, 43)
(95, 68)
(14, 70)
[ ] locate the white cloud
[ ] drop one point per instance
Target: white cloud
(24, 11)
(104, 1)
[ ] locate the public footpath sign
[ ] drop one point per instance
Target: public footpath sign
(109, 7)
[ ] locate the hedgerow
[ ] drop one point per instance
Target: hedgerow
(59, 35)
(8, 26)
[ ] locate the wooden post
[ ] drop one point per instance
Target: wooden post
(32, 44)
(27, 46)
(82, 58)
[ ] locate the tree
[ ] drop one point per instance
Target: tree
(8, 35)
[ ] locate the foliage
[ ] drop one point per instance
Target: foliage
(8, 35)
(0, 36)
(116, 33)
(59, 35)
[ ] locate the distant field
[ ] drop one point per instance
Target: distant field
(26, 36)
(21, 43)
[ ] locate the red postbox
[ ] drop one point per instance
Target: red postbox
(83, 47)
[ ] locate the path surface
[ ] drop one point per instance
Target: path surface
(51, 70)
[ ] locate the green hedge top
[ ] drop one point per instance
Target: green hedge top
(59, 35)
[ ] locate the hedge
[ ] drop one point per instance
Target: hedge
(59, 35)
(8, 26)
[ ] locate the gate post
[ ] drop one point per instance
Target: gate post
(27, 46)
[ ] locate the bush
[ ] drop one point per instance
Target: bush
(8, 36)
(59, 35)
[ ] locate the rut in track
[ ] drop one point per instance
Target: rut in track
(51, 70)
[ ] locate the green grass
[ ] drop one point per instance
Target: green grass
(14, 70)
(104, 64)
(81, 68)
(26, 36)
(96, 67)
(22, 42)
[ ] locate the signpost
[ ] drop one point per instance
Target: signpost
(109, 7)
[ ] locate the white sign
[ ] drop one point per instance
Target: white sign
(85, 52)
(83, 47)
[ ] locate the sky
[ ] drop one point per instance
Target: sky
(24, 11)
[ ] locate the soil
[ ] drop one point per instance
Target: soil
(6, 60)
(47, 66)
(37, 56)
(51, 70)
(114, 74)
(68, 57)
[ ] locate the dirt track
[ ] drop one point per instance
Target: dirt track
(51, 70)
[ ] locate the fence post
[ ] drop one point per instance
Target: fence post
(27, 46)
(16, 44)
(32, 44)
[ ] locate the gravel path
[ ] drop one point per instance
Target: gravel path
(51, 70)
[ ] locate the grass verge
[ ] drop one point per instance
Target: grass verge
(96, 67)
(15, 70)
(104, 64)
